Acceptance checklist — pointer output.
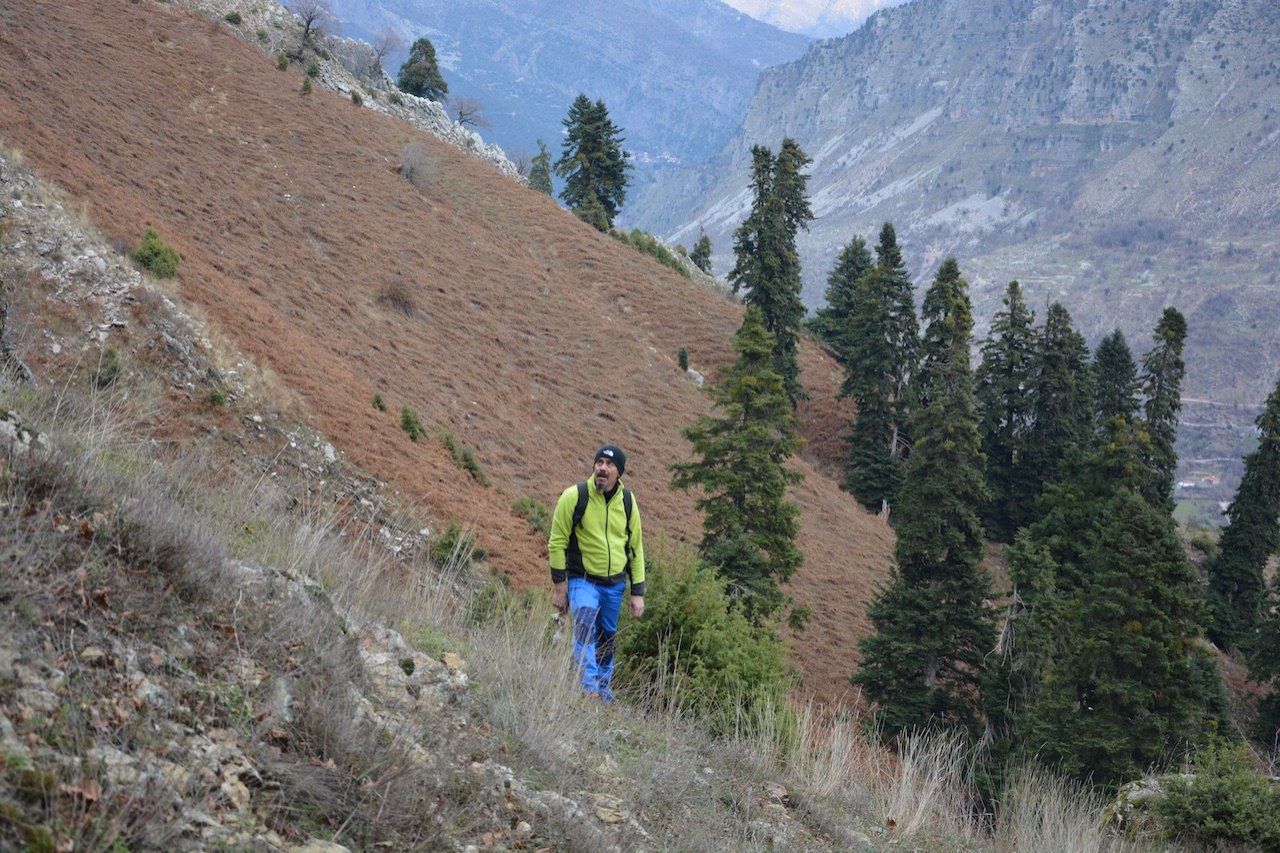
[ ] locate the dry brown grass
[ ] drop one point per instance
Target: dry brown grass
(535, 339)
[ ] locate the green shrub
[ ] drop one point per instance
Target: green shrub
(306, 85)
(217, 398)
(109, 369)
(313, 69)
(696, 649)
(456, 544)
(356, 98)
(535, 512)
(1224, 801)
(682, 358)
(233, 18)
(282, 62)
(156, 256)
(394, 97)
(411, 423)
(650, 245)
(463, 457)
(262, 35)
(378, 403)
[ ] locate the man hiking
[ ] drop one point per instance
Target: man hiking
(594, 550)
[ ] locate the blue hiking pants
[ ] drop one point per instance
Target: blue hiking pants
(595, 612)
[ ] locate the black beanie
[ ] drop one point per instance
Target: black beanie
(614, 454)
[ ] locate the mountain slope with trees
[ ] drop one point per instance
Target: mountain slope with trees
(1118, 158)
(516, 332)
(676, 75)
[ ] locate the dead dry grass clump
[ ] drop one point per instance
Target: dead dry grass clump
(416, 165)
(398, 296)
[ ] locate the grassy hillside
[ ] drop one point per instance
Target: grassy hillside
(241, 609)
(500, 319)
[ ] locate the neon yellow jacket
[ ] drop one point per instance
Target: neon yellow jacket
(602, 538)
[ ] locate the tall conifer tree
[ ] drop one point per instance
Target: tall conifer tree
(1129, 691)
(592, 163)
(766, 264)
(832, 323)
(1061, 398)
(1251, 537)
(749, 528)
(933, 625)
(701, 255)
(1004, 402)
(1117, 380)
(540, 170)
(883, 346)
(1162, 371)
(1100, 671)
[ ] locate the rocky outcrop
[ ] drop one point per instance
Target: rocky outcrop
(348, 67)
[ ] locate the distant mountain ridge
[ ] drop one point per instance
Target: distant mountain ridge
(1117, 157)
(675, 74)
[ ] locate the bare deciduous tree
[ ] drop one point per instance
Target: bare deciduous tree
(386, 42)
(468, 111)
(523, 162)
(317, 18)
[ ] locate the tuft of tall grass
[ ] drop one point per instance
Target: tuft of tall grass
(1039, 810)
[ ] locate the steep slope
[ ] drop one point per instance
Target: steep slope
(1119, 157)
(530, 338)
(675, 75)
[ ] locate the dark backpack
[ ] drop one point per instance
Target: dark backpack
(572, 554)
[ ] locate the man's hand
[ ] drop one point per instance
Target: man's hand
(560, 597)
(637, 606)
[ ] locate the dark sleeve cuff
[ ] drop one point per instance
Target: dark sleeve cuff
(638, 589)
(558, 575)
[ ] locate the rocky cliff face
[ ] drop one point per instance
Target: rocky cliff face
(1117, 157)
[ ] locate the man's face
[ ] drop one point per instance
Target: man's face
(606, 474)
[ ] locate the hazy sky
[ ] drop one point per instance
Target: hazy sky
(815, 17)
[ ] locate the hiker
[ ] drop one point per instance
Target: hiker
(595, 549)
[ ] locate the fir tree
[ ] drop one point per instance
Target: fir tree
(701, 255)
(1004, 400)
(592, 163)
(1162, 370)
(749, 529)
(933, 626)
(882, 344)
(420, 75)
(833, 321)
(1116, 375)
(766, 264)
(1252, 535)
(1104, 609)
(1061, 399)
(540, 170)
(1128, 691)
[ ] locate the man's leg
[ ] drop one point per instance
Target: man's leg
(584, 604)
(606, 635)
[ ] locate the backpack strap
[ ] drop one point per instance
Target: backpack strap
(626, 507)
